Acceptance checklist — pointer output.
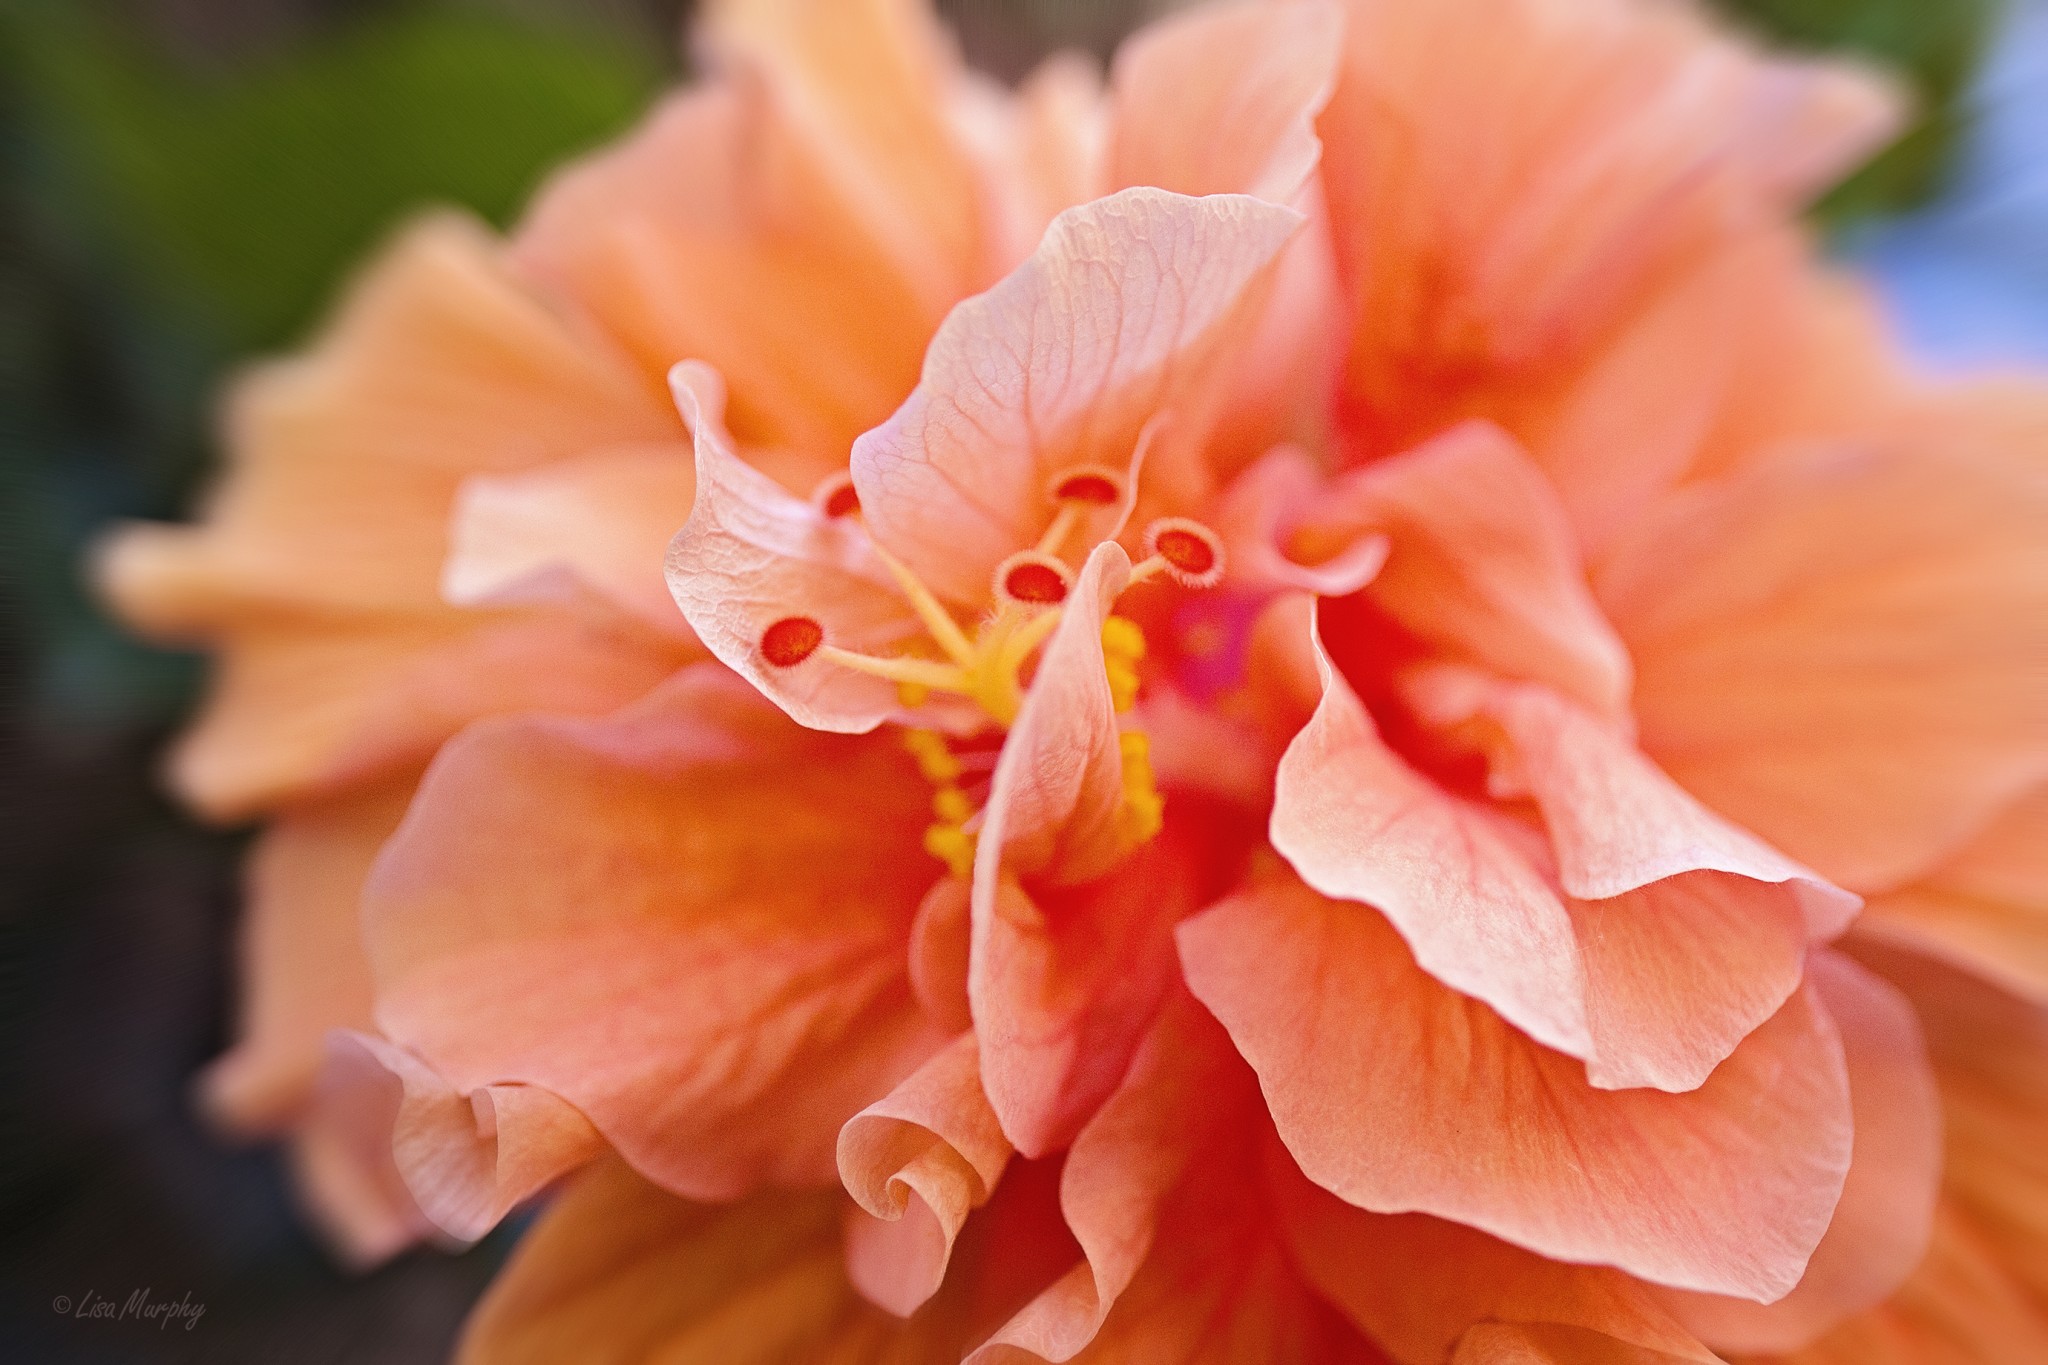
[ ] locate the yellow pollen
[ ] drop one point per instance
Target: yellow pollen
(934, 759)
(1123, 644)
(1143, 811)
(952, 846)
(951, 805)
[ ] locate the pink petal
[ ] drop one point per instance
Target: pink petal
(1368, 1263)
(1863, 625)
(301, 956)
(1053, 801)
(1399, 1095)
(1881, 1228)
(1262, 508)
(1985, 909)
(1126, 311)
(917, 1162)
(595, 527)
(1222, 99)
(668, 918)
(1358, 823)
(1694, 932)
(467, 1156)
(1484, 563)
(752, 555)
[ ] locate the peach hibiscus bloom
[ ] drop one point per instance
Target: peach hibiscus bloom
(1296, 789)
(455, 505)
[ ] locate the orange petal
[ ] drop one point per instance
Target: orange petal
(301, 955)
(1262, 510)
(752, 555)
(1880, 1229)
(1064, 983)
(317, 571)
(1505, 180)
(466, 1157)
(720, 231)
(1123, 313)
(1053, 801)
(1986, 909)
(1484, 564)
(1357, 822)
(917, 1162)
(1855, 624)
(1399, 1095)
(1183, 1093)
(1694, 932)
(1222, 99)
(669, 918)
(869, 82)
(1373, 1267)
(594, 526)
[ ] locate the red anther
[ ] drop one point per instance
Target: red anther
(791, 640)
(836, 496)
(1192, 552)
(1032, 579)
(1092, 484)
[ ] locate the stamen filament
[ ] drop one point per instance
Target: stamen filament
(1026, 638)
(944, 629)
(1149, 568)
(940, 677)
(1062, 526)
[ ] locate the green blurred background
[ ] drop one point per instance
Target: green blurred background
(182, 185)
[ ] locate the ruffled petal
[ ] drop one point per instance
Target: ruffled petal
(1368, 1263)
(1863, 626)
(468, 1157)
(593, 528)
(1452, 876)
(918, 1162)
(317, 571)
(1693, 931)
(1398, 1094)
(1881, 1228)
(607, 910)
(1484, 566)
(752, 556)
(1986, 908)
(1505, 179)
(1122, 314)
(301, 956)
(1223, 98)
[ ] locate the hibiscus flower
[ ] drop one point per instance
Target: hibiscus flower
(1286, 781)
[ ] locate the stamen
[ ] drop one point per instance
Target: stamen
(835, 495)
(791, 640)
(1032, 580)
(1123, 644)
(1096, 485)
(1186, 551)
(1142, 814)
(937, 620)
(927, 673)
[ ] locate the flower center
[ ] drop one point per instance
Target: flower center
(1029, 593)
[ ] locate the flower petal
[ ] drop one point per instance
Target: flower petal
(1986, 909)
(596, 526)
(317, 571)
(1261, 511)
(921, 1159)
(1863, 625)
(1694, 932)
(1881, 1228)
(467, 1157)
(1222, 99)
(752, 555)
(1505, 179)
(1399, 1095)
(1366, 1264)
(1483, 565)
(1358, 823)
(1123, 313)
(671, 919)
(301, 955)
